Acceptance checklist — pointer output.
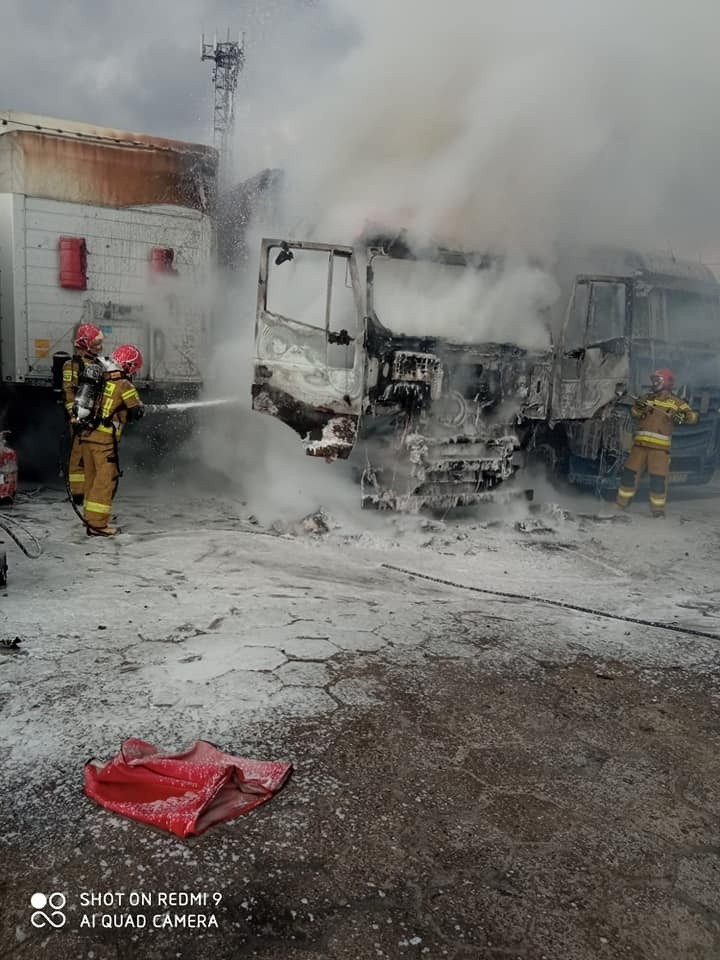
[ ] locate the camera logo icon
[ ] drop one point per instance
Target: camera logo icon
(48, 910)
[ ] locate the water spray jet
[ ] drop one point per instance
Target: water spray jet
(189, 405)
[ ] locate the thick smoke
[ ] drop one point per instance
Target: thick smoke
(523, 129)
(515, 125)
(516, 128)
(503, 304)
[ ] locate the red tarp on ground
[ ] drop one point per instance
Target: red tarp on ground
(186, 792)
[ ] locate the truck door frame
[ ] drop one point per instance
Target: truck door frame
(321, 401)
(581, 396)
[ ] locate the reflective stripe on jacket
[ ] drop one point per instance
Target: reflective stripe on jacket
(119, 396)
(658, 414)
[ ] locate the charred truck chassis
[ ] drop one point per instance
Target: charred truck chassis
(429, 422)
(444, 424)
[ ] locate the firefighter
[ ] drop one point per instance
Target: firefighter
(118, 404)
(88, 344)
(658, 412)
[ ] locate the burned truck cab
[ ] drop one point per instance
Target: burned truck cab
(451, 414)
(375, 352)
(310, 360)
(628, 314)
(345, 357)
(450, 422)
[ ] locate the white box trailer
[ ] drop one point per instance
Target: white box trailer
(109, 227)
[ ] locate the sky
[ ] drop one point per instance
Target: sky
(129, 65)
(518, 124)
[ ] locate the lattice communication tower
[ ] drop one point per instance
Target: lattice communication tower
(228, 57)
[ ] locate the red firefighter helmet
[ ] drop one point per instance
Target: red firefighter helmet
(662, 379)
(128, 358)
(87, 334)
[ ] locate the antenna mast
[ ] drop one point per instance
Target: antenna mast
(228, 57)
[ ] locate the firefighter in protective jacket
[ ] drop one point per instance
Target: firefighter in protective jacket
(658, 413)
(88, 345)
(119, 403)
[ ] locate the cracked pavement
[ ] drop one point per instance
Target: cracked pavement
(475, 776)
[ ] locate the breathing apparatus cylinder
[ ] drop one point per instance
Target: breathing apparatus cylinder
(90, 385)
(58, 362)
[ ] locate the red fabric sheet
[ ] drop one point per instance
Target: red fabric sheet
(186, 792)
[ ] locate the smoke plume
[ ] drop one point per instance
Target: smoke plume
(516, 128)
(515, 125)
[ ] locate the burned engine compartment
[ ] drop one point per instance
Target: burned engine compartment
(427, 420)
(445, 423)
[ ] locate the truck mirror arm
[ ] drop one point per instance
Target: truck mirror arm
(612, 345)
(285, 254)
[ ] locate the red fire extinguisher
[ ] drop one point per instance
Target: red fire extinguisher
(8, 470)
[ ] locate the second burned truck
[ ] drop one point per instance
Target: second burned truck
(439, 420)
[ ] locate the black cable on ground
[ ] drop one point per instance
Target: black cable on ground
(556, 603)
(5, 524)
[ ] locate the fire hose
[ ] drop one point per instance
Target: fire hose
(7, 523)
(147, 408)
(562, 604)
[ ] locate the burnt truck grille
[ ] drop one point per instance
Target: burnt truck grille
(409, 366)
(443, 473)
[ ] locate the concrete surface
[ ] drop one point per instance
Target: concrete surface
(475, 776)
